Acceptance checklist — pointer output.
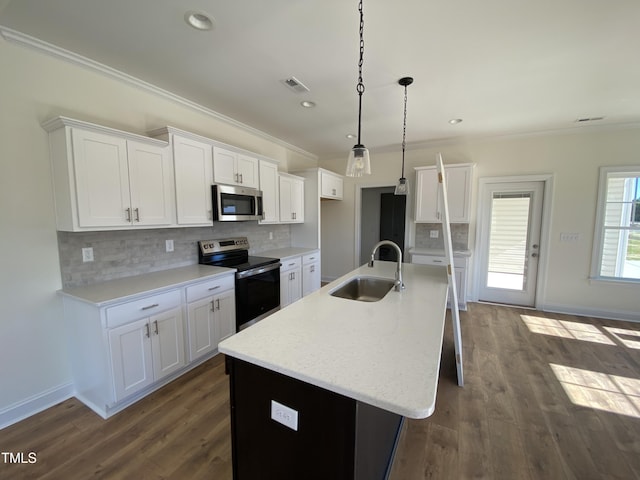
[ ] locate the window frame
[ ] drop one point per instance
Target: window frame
(599, 230)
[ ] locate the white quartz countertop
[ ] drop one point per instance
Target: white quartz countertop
(438, 252)
(384, 353)
(287, 252)
(112, 291)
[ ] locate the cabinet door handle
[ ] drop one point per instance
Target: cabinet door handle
(217, 304)
(333, 190)
(155, 327)
(214, 288)
(137, 212)
(150, 306)
(146, 327)
(241, 179)
(313, 268)
(235, 177)
(127, 212)
(213, 306)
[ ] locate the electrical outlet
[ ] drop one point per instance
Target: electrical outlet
(270, 235)
(285, 415)
(87, 254)
(169, 245)
(569, 237)
(434, 233)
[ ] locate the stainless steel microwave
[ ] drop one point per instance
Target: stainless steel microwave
(236, 204)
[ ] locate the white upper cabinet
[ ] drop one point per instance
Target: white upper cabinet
(291, 198)
(151, 184)
(428, 205)
(193, 163)
(107, 179)
(234, 168)
(269, 186)
(331, 185)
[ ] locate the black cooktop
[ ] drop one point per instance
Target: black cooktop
(233, 253)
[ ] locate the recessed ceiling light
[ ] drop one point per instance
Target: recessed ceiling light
(350, 136)
(199, 20)
(455, 121)
(308, 104)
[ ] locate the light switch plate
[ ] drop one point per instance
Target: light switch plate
(285, 415)
(434, 233)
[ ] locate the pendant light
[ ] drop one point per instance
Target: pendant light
(358, 163)
(403, 187)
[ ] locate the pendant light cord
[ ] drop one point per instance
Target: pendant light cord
(404, 128)
(360, 86)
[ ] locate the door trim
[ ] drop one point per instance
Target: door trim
(545, 230)
(409, 226)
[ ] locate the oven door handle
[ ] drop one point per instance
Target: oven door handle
(258, 270)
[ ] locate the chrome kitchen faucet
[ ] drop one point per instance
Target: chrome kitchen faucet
(399, 284)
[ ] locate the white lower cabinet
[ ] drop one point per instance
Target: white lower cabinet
(460, 273)
(145, 351)
(290, 281)
(310, 273)
(123, 350)
(211, 315)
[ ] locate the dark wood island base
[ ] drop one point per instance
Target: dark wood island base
(337, 437)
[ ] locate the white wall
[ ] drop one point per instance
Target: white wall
(35, 87)
(573, 158)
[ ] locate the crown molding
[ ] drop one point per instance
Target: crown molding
(34, 43)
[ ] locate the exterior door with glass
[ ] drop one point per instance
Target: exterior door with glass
(509, 247)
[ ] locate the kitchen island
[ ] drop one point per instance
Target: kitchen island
(319, 389)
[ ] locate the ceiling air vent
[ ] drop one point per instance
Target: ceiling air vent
(296, 85)
(588, 119)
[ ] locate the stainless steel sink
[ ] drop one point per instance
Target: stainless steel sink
(364, 289)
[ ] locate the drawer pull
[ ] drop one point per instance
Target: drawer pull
(437, 261)
(214, 288)
(148, 307)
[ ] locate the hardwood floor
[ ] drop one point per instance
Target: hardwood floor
(546, 397)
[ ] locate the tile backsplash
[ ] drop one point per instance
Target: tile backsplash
(124, 253)
(459, 236)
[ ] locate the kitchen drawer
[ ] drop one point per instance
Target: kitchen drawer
(291, 264)
(210, 287)
(310, 258)
(143, 307)
(435, 260)
(428, 260)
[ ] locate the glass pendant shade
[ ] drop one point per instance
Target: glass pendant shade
(358, 163)
(402, 188)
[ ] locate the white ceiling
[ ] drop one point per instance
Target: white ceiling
(503, 66)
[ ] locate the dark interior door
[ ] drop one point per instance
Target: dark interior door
(392, 216)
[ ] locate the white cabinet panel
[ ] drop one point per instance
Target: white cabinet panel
(234, 168)
(291, 199)
(151, 184)
(211, 315)
(269, 186)
(428, 206)
(167, 342)
(193, 163)
(131, 358)
(331, 185)
(101, 179)
(290, 281)
(106, 179)
(310, 273)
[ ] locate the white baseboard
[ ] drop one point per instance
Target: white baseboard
(35, 404)
(592, 312)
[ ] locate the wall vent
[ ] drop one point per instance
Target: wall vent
(296, 85)
(588, 119)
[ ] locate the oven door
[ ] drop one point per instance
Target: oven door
(257, 294)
